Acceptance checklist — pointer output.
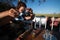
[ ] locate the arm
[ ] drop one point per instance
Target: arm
(10, 13)
(4, 14)
(7, 16)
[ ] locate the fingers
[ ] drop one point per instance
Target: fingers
(13, 12)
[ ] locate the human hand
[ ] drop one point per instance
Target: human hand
(13, 12)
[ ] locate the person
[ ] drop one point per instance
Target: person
(7, 13)
(18, 21)
(29, 14)
(20, 8)
(28, 18)
(56, 25)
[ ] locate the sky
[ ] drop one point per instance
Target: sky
(50, 6)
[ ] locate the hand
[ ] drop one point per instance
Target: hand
(12, 13)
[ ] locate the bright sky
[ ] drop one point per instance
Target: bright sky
(50, 6)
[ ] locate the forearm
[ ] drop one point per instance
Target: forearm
(4, 14)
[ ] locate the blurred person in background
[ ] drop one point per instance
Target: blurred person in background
(56, 26)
